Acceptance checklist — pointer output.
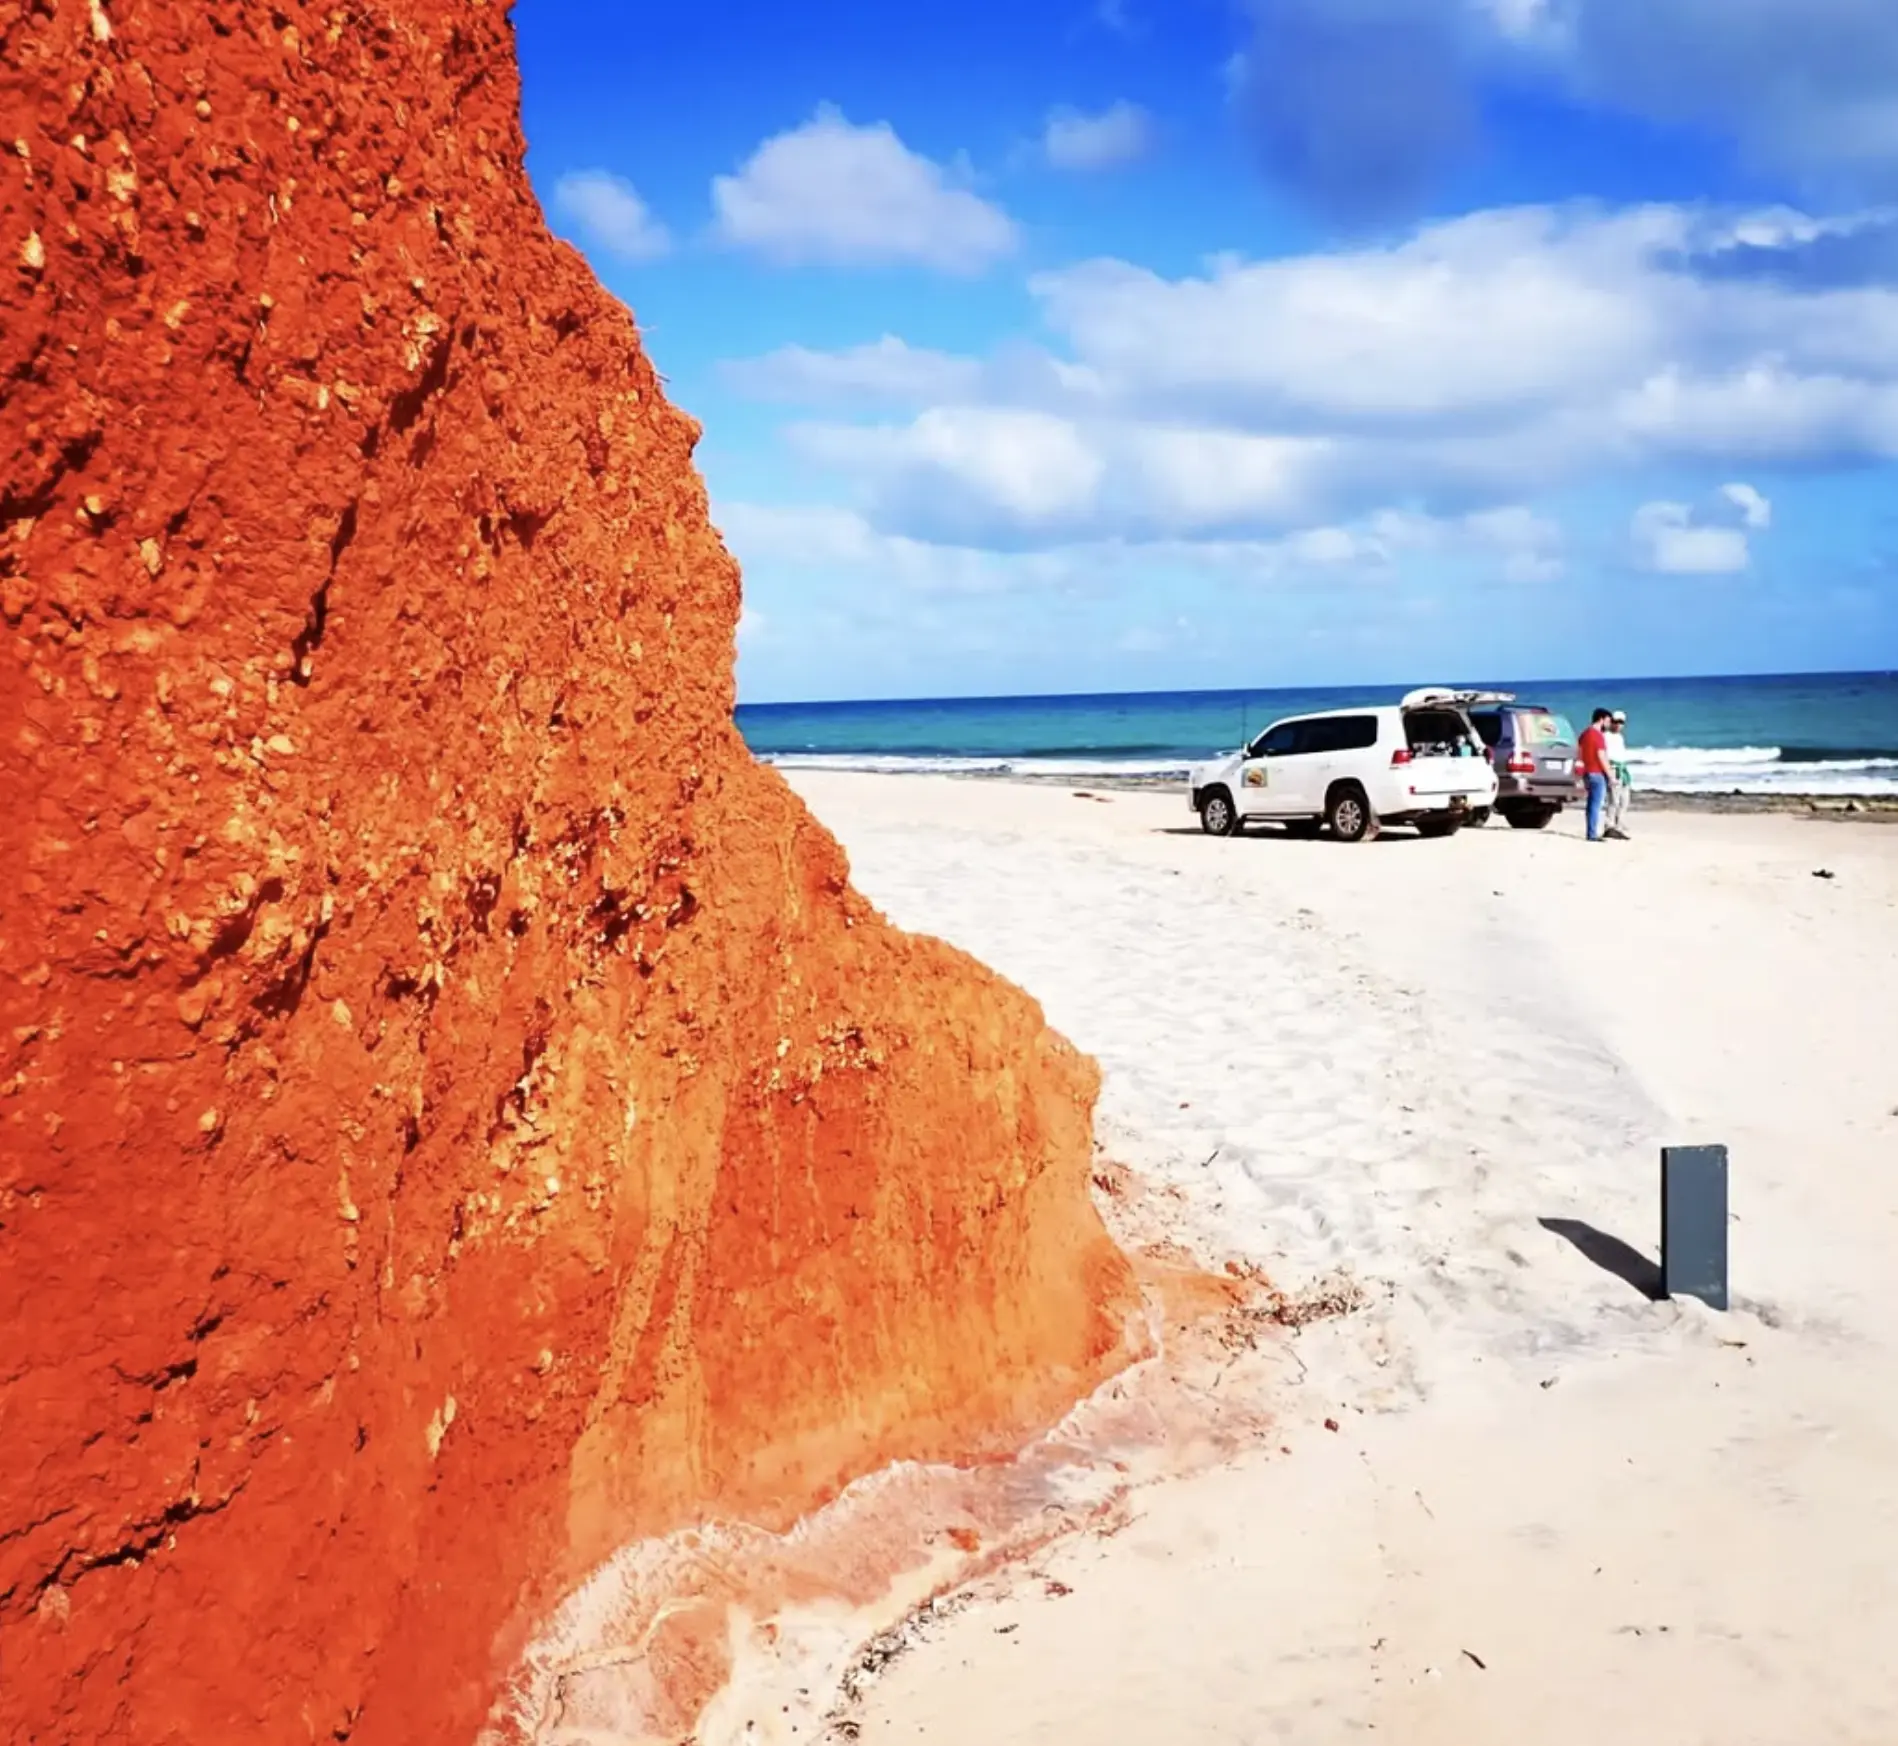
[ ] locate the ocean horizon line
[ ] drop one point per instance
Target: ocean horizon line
(1216, 691)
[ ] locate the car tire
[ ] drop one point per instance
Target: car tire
(1478, 818)
(1348, 813)
(1218, 817)
(1529, 818)
(1438, 827)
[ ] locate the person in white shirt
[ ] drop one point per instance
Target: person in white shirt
(1617, 747)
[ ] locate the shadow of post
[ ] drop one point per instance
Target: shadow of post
(1610, 1254)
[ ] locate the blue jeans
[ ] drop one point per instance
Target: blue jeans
(1597, 799)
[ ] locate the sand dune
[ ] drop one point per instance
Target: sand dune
(1552, 1507)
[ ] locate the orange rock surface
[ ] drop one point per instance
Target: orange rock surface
(455, 1115)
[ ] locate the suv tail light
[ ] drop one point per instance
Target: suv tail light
(1400, 757)
(1521, 764)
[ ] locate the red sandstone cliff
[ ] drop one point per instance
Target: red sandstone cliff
(454, 1114)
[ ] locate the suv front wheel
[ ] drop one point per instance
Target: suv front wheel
(1218, 817)
(1348, 813)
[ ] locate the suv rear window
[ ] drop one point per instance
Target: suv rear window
(1542, 727)
(1438, 733)
(1488, 723)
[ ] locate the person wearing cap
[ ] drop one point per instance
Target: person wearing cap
(1616, 745)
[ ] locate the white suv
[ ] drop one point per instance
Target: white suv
(1418, 763)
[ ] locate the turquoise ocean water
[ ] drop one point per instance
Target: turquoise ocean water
(1830, 733)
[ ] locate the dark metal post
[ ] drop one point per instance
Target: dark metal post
(1694, 1223)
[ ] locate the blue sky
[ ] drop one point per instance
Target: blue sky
(1105, 344)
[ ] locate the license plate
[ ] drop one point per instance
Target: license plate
(1556, 766)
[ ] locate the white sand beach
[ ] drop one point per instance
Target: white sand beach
(1552, 1509)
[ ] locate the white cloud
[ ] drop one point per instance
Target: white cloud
(1755, 511)
(1521, 545)
(1008, 470)
(828, 541)
(890, 370)
(1675, 539)
(1669, 542)
(1120, 134)
(833, 193)
(885, 369)
(1007, 475)
(1512, 544)
(1530, 545)
(1481, 314)
(608, 212)
(1480, 361)
(1189, 480)
(1763, 411)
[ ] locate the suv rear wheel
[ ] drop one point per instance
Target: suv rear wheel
(1527, 818)
(1348, 813)
(1218, 817)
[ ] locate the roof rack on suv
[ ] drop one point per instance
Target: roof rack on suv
(1442, 694)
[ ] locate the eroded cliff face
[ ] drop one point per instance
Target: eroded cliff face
(455, 1115)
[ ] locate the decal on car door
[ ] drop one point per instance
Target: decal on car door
(1255, 776)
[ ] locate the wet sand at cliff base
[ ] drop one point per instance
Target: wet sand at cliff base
(1512, 1496)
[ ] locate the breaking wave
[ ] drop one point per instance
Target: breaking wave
(1765, 769)
(1816, 770)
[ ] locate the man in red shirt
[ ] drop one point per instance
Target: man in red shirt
(1592, 756)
